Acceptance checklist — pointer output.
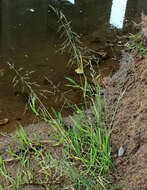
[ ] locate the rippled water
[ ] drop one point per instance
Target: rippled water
(28, 39)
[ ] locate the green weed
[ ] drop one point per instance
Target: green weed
(71, 43)
(135, 43)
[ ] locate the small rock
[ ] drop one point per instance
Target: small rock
(4, 121)
(121, 151)
(26, 56)
(32, 10)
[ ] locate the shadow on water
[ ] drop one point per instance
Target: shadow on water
(28, 39)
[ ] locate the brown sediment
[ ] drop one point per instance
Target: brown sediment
(130, 126)
(130, 129)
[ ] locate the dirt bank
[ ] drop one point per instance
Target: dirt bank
(130, 129)
(130, 125)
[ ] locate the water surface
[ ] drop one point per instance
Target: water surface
(29, 39)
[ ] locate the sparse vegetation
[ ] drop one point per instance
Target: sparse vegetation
(135, 43)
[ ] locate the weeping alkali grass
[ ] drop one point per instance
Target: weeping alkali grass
(72, 44)
(86, 148)
(86, 145)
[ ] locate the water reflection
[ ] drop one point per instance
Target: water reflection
(118, 13)
(21, 26)
(71, 1)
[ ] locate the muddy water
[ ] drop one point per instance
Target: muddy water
(28, 39)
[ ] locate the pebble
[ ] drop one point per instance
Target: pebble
(121, 151)
(32, 10)
(4, 121)
(26, 56)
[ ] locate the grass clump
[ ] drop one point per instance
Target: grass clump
(87, 144)
(135, 43)
(84, 143)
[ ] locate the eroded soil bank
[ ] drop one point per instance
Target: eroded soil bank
(129, 127)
